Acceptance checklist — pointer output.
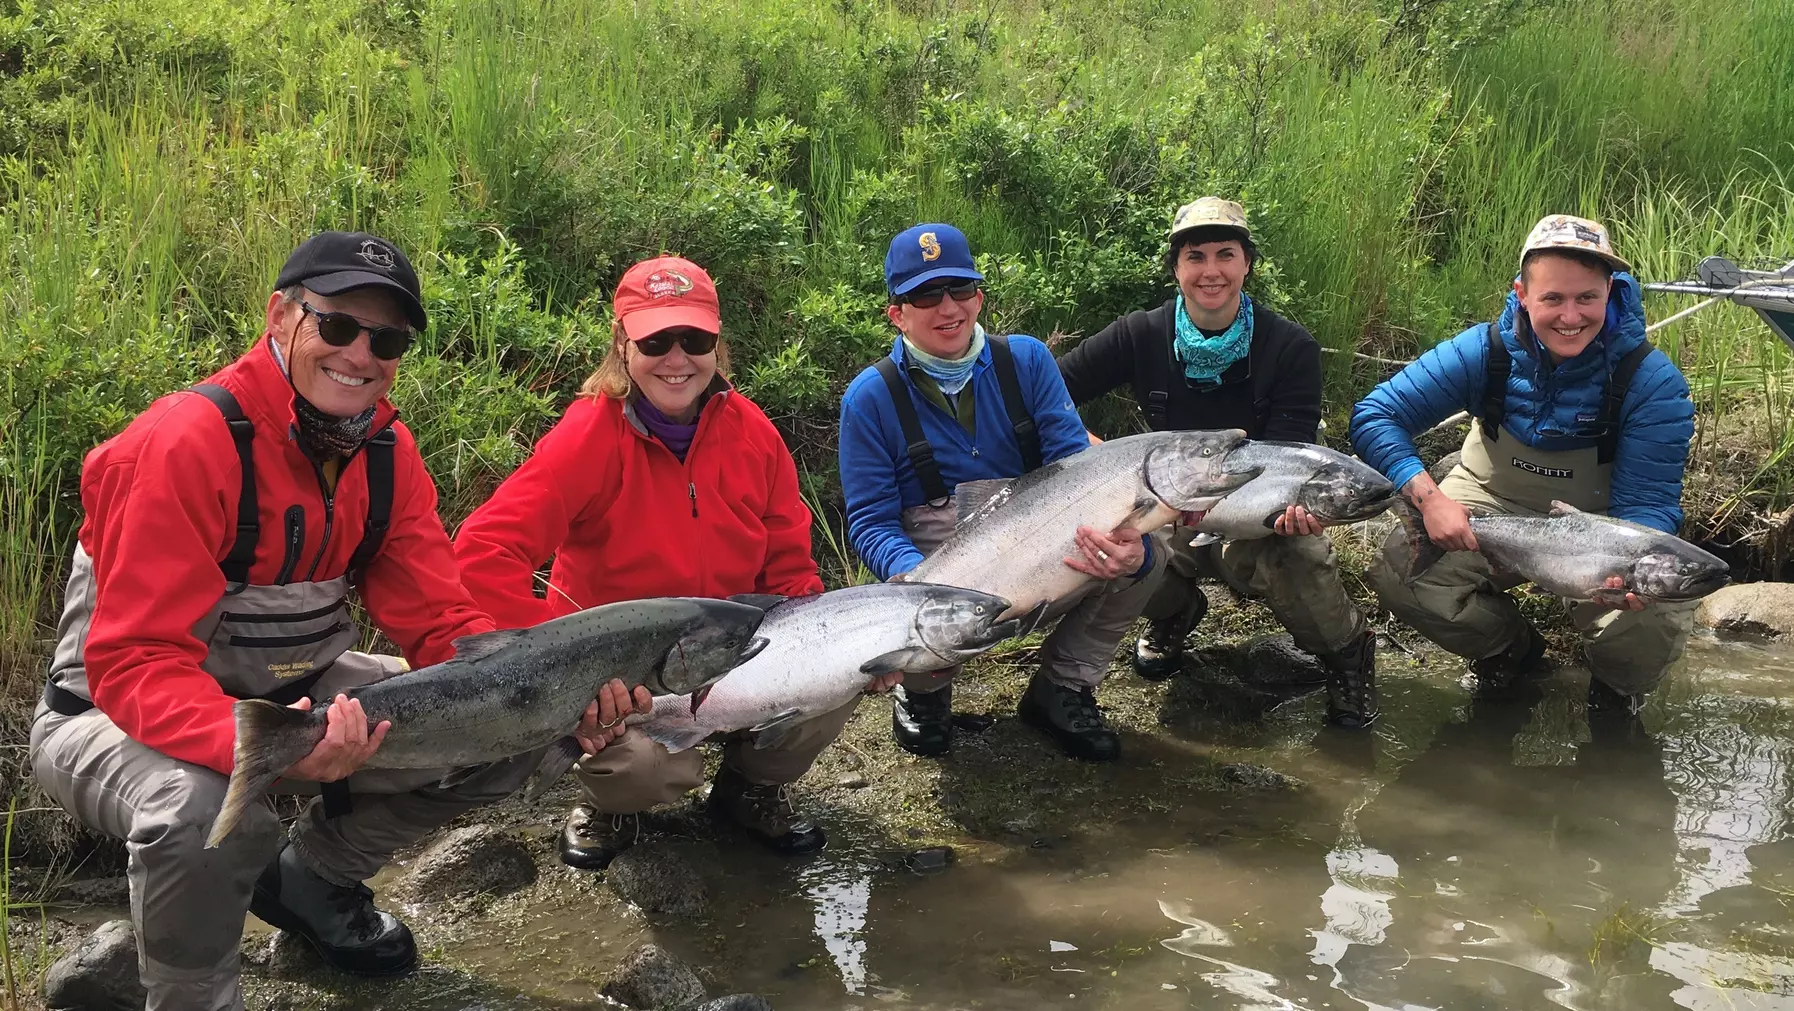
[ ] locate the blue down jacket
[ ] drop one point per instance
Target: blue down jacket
(1656, 419)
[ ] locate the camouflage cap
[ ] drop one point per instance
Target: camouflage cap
(1210, 211)
(1564, 231)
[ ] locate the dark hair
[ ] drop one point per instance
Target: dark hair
(1209, 233)
(1587, 259)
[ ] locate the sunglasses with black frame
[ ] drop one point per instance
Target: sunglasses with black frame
(929, 296)
(693, 340)
(339, 330)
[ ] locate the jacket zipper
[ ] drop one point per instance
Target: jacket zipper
(295, 533)
(330, 496)
(692, 486)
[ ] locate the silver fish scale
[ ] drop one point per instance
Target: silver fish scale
(1570, 555)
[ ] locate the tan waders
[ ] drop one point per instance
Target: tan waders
(1461, 604)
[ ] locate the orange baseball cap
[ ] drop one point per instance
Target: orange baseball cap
(666, 291)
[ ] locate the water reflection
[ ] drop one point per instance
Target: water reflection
(841, 891)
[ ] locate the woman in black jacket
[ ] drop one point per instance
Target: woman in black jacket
(1209, 358)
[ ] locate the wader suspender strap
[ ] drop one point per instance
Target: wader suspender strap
(1496, 367)
(1027, 436)
(373, 532)
(242, 554)
(1615, 398)
(921, 455)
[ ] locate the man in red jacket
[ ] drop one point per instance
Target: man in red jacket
(225, 528)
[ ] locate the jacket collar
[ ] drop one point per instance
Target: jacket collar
(715, 396)
(1621, 331)
(267, 394)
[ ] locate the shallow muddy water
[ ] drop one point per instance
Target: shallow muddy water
(1470, 854)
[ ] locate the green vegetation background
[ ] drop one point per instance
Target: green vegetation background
(158, 159)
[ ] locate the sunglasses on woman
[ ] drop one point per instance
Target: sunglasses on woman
(931, 296)
(339, 330)
(694, 341)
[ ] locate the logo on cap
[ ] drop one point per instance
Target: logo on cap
(376, 254)
(667, 284)
(931, 246)
(1587, 234)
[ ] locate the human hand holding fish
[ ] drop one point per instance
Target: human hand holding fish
(603, 719)
(346, 746)
(1299, 522)
(884, 683)
(1108, 556)
(1628, 602)
(1447, 520)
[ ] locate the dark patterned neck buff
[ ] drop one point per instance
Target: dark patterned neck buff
(324, 435)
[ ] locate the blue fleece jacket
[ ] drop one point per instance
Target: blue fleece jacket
(876, 475)
(1544, 403)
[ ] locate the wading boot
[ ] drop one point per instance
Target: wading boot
(340, 921)
(1499, 674)
(591, 839)
(1069, 716)
(922, 722)
(764, 812)
(1352, 684)
(1604, 702)
(1160, 652)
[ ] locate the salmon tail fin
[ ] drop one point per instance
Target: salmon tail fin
(1421, 553)
(270, 738)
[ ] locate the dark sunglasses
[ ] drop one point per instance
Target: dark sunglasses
(694, 341)
(931, 296)
(339, 330)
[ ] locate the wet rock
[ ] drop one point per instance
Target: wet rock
(476, 860)
(854, 781)
(737, 1002)
(649, 977)
(288, 956)
(930, 859)
(1749, 609)
(99, 975)
(658, 880)
(1268, 660)
(1257, 777)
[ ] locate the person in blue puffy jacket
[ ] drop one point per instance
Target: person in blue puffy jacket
(1570, 403)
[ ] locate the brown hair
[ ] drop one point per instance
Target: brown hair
(612, 378)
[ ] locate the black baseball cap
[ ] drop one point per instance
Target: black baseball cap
(331, 263)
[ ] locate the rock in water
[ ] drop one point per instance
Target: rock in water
(476, 860)
(1269, 661)
(737, 1002)
(658, 880)
(99, 975)
(1257, 777)
(649, 977)
(1749, 609)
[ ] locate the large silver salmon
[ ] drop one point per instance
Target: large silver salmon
(506, 693)
(1333, 487)
(1572, 554)
(1014, 535)
(824, 649)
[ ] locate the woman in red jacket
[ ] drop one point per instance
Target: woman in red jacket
(660, 480)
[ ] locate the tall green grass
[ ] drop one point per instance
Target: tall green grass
(158, 159)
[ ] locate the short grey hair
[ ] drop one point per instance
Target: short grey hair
(294, 293)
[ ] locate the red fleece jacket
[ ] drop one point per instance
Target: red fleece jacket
(161, 503)
(624, 519)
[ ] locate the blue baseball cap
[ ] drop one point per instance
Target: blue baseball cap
(925, 252)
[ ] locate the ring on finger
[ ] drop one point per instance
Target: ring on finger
(1104, 555)
(606, 726)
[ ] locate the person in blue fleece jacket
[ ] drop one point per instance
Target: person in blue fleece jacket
(1570, 403)
(956, 384)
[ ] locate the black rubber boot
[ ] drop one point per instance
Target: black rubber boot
(340, 921)
(590, 839)
(1352, 684)
(1160, 652)
(1606, 703)
(1069, 716)
(1500, 674)
(922, 722)
(764, 812)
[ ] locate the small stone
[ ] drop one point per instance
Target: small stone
(737, 1002)
(99, 975)
(476, 860)
(658, 880)
(854, 781)
(649, 977)
(288, 956)
(1257, 777)
(930, 860)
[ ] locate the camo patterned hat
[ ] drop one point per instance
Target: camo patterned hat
(1564, 231)
(1210, 212)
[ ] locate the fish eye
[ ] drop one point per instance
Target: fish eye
(978, 610)
(1208, 452)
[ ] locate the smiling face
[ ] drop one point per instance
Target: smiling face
(343, 381)
(672, 382)
(1210, 275)
(1566, 300)
(944, 330)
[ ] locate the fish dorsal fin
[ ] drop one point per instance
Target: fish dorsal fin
(474, 647)
(972, 496)
(763, 601)
(1563, 509)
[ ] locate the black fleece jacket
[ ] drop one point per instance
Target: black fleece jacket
(1272, 393)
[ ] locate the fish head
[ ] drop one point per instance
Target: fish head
(958, 624)
(1678, 571)
(717, 637)
(1345, 491)
(1190, 472)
